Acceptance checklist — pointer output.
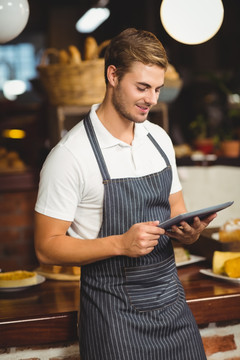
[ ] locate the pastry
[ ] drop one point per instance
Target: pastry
(232, 267)
(10, 161)
(75, 56)
(219, 259)
(90, 48)
(54, 269)
(57, 269)
(63, 57)
(230, 231)
(171, 73)
(17, 278)
(181, 254)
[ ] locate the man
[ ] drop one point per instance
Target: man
(104, 190)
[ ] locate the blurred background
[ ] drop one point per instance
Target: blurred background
(200, 109)
(209, 71)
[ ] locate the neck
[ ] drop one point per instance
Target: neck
(119, 127)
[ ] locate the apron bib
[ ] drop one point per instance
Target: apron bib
(135, 308)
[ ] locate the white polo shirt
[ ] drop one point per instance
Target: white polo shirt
(71, 186)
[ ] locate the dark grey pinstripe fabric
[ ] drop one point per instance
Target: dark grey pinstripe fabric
(135, 308)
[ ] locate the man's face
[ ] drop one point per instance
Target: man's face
(138, 91)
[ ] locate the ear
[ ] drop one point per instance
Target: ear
(112, 75)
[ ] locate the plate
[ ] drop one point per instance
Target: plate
(209, 272)
(60, 276)
(193, 259)
(40, 280)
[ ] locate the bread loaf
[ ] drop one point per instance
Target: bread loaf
(90, 48)
(63, 57)
(75, 55)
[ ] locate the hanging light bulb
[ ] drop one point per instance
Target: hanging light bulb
(94, 17)
(192, 21)
(14, 16)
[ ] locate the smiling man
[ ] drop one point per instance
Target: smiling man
(103, 191)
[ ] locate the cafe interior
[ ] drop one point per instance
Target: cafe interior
(49, 79)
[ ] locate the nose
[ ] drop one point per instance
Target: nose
(151, 97)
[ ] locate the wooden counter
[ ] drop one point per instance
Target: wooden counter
(48, 313)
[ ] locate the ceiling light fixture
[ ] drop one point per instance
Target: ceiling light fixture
(14, 16)
(93, 18)
(14, 133)
(192, 21)
(13, 88)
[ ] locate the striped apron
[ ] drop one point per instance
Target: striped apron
(135, 308)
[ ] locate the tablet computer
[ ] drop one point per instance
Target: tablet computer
(188, 217)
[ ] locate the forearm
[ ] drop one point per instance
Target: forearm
(177, 204)
(53, 246)
(66, 250)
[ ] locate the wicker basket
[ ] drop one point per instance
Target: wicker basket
(72, 84)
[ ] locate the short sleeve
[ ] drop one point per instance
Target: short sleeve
(60, 185)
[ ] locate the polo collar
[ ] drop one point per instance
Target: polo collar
(106, 139)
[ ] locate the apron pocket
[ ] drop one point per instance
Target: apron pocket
(152, 287)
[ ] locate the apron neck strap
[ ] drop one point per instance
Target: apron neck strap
(159, 149)
(98, 153)
(96, 147)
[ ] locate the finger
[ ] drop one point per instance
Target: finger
(154, 231)
(149, 237)
(152, 223)
(209, 219)
(178, 229)
(151, 242)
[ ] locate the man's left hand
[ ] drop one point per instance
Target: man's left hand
(188, 234)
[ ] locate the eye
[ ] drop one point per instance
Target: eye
(141, 89)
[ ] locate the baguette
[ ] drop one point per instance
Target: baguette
(90, 48)
(75, 55)
(63, 57)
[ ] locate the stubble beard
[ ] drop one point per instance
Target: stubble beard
(121, 107)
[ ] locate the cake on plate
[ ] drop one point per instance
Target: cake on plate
(230, 231)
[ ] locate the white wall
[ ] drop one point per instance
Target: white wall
(206, 186)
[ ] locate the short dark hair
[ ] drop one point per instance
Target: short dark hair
(133, 45)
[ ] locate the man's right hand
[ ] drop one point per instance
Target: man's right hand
(140, 239)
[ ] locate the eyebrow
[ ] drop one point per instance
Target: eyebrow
(149, 86)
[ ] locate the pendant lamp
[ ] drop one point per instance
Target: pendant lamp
(14, 16)
(191, 21)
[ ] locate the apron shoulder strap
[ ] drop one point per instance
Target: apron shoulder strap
(96, 147)
(98, 153)
(155, 143)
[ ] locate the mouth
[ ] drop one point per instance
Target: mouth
(143, 109)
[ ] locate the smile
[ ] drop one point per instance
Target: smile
(143, 109)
